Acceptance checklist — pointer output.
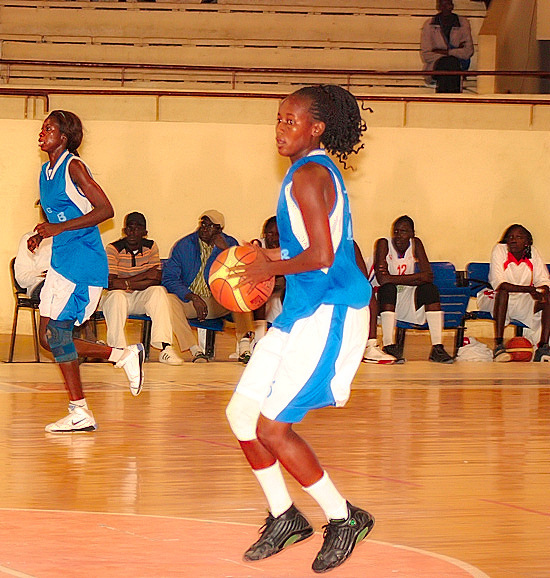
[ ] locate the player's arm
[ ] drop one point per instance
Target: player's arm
(102, 208)
(383, 275)
(314, 193)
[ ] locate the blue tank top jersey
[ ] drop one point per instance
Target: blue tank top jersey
(341, 284)
(78, 255)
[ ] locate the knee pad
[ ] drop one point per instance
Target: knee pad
(426, 294)
(387, 294)
(242, 414)
(60, 339)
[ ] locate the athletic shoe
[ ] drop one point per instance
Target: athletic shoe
(374, 354)
(542, 353)
(395, 351)
(78, 420)
(169, 356)
(245, 357)
(341, 537)
(132, 362)
(246, 344)
(439, 355)
(500, 354)
(200, 357)
(278, 533)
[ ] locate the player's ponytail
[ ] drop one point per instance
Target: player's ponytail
(338, 109)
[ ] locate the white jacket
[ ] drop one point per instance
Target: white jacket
(432, 38)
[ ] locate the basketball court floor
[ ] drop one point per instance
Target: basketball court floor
(453, 461)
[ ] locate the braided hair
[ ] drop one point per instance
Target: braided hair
(338, 109)
(504, 238)
(71, 126)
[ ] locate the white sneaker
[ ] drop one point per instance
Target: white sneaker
(78, 420)
(374, 354)
(132, 362)
(168, 355)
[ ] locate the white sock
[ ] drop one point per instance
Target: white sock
(387, 320)
(435, 324)
(260, 327)
(274, 487)
(194, 349)
(79, 403)
(116, 354)
(324, 492)
(371, 342)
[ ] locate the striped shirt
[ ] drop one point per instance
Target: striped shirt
(126, 263)
(199, 286)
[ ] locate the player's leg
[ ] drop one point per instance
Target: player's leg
(180, 312)
(57, 336)
(427, 296)
(153, 302)
(285, 524)
(114, 305)
(347, 524)
(499, 315)
(387, 300)
(542, 352)
(373, 352)
(63, 300)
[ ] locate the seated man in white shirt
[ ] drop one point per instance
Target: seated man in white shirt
(31, 263)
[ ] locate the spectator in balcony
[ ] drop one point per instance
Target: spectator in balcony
(446, 44)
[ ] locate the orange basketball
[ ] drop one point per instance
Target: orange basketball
(520, 348)
(224, 288)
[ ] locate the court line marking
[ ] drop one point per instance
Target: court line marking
(475, 572)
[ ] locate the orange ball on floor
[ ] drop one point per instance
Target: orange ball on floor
(520, 348)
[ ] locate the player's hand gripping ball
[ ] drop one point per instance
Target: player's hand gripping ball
(224, 287)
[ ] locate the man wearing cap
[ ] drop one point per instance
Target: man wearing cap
(134, 288)
(185, 276)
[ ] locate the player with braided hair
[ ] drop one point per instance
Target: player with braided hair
(310, 355)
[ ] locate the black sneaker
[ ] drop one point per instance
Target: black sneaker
(244, 358)
(394, 350)
(340, 539)
(278, 533)
(439, 355)
(542, 353)
(501, 355)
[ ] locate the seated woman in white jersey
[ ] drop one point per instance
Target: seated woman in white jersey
(521, 284)
(406, 291)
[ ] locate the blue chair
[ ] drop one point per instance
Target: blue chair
(454, 301)
(477, 275)
(206, 331)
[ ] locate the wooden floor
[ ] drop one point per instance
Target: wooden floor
(453, 461)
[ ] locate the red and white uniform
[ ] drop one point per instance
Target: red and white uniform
(405, 308)
(504, 268)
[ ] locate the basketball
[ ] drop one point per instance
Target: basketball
(224, 288)
(520, 348)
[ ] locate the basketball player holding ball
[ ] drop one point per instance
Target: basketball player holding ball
(309, 357)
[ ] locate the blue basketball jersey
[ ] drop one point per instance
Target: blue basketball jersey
(341, 284)
(77, 255)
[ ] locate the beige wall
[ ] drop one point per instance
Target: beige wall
(462, 171)
(508, 41)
